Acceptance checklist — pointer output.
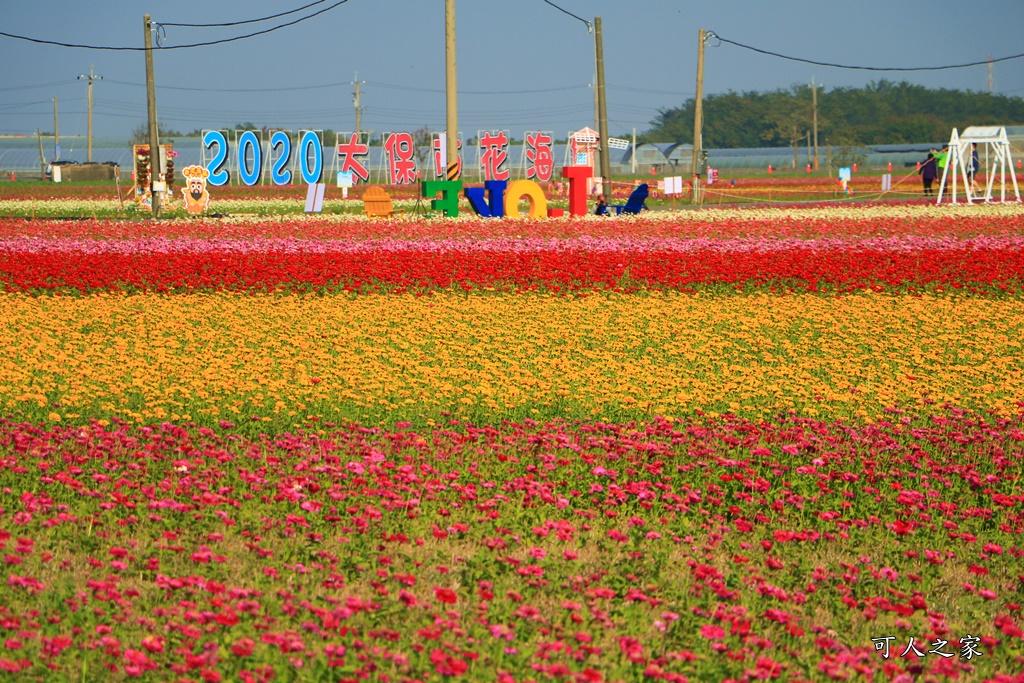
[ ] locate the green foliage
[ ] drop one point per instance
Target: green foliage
(879, 113)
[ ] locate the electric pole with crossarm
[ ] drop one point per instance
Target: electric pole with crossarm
(89, 79)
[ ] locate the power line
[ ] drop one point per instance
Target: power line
(648, 90)
(248, 21)
(41, 85)
(172, 47)
(7, 105)
(171, 87)
(477, 92)
(863, 68)
(590, 28)
(379, 85)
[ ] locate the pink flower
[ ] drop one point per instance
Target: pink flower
(712, 631)
(153, 643)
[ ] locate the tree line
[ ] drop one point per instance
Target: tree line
(879, 113)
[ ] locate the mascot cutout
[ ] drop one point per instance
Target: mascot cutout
(197, 199)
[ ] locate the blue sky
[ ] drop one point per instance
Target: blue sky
(522, 64)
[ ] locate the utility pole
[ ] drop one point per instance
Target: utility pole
(632, 160)
(154, 136)
(991, 84)
(814, 102)
(597, 109)
(42, 159)
(90, 78)
(602, 108)
(796, 147)
(358, 107)
(698, 115)
(56, 132)
(451, 88)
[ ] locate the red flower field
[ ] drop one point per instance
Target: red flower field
(697, 550)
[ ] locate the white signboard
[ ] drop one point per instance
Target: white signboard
(712, 175)
(442, 161)
(345, 179)
(315, 197)
(674, 184)
(844, 173)
(618, 143)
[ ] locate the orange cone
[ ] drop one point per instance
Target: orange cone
(855, 168)
(808, 168)
(890, 167)
(769, 169)
(13, 176)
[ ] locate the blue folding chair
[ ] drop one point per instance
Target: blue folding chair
(636, 202)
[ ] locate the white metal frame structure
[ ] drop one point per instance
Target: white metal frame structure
(205, 158)
(995, 146)
(268, 163)
(296, 160)
(234, 161)
(362, 138)
(521, 166)
(506, 165)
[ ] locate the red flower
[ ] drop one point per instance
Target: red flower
(243, 647)
(446, 595)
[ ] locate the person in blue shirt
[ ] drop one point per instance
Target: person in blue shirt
(602, 206)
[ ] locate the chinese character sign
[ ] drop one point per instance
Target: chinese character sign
(353, 155)
(540, 163)
(494, 154)
(439, 156)
(400, 152)
(968, 647)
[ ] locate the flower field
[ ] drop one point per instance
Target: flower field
(728, 445)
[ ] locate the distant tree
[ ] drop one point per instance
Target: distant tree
(847, 150)
(140, 134)
(881, 112)
(789, 120)
(422, 140)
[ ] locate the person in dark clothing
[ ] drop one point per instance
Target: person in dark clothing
(602, 206)
(928, 171)
(972, 170)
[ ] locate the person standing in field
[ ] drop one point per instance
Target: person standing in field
(929, 171)
(941, 160)
(973, 168)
